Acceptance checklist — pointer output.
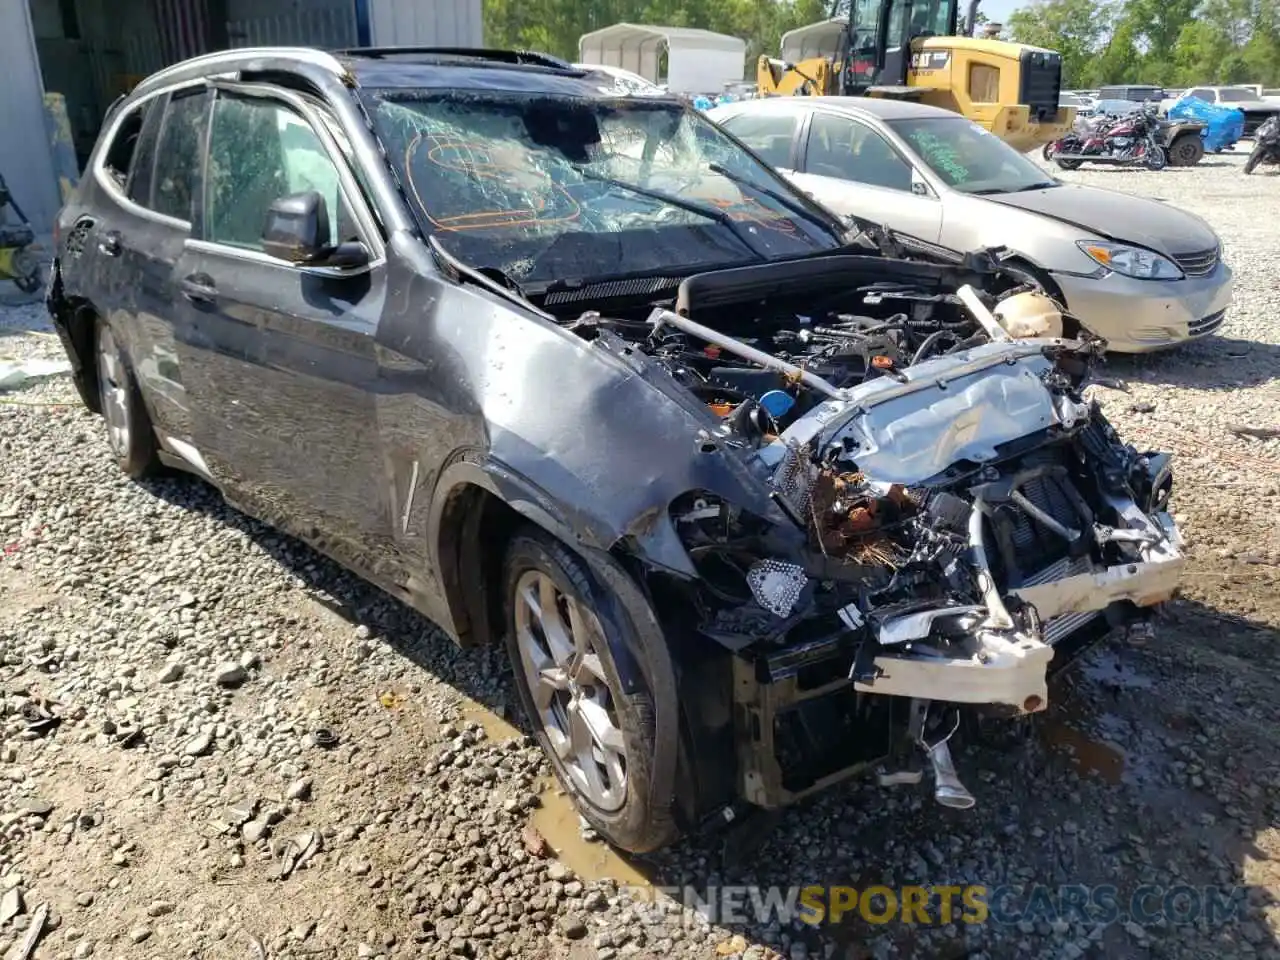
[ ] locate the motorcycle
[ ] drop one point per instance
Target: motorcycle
(1266, 144)
(1132, 140)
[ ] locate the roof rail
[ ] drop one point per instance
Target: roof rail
(521, 57)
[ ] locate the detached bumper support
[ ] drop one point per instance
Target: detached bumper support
(1010, 667)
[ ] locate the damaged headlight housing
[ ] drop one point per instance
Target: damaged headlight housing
(1131, 261)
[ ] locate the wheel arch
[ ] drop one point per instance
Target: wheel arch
(74, 319)
(476, 513)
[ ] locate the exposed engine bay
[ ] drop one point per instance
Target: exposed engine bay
(960, 514)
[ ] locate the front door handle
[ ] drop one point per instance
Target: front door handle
(109, 243)
(199, 288)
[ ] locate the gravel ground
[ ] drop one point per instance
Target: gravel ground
(166, 665)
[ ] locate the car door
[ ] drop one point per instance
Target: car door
(166, 184)
(847, 166)
(286, 352)
(132, 234)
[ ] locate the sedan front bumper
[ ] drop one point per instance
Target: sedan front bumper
(1135, 316)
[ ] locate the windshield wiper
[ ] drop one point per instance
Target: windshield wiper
(711, 213)
(990, 191)
(795, 206)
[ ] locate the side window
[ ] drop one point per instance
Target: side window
(178, 151)
(841, 148)
(1206, 95)
(144, 156)
(260, 152)
(119, 159)
(769, 135)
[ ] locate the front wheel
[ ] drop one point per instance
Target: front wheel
(1156, 158)
(1068, 164)
(1255, 157)
(598, 736)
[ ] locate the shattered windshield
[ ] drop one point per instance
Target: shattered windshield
(548, 188)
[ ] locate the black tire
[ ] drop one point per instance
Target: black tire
(634, 826)
(1157, 158)
(1255, 157)
(1069, 164)
(1046, 152)
(136, 453)
(1186, 150)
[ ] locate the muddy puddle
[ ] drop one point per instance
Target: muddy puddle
(1089, 755)
(496, 728)
(557, 820)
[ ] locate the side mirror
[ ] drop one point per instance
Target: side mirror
(919, 187)
(297, 228)
(297, 231)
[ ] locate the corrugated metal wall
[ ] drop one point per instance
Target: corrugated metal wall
(314, 23)
(440, 23)
(25, 159)
(120, 43)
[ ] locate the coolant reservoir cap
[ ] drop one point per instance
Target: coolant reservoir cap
(777, 402)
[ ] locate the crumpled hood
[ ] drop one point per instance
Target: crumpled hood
(960, 407)
(1118, 216)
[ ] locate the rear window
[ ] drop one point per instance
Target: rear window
(769, 135)
(177, 173)
(118, 162)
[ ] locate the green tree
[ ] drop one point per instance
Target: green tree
(1077, 29)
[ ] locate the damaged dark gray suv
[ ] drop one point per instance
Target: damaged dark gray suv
(756, 498)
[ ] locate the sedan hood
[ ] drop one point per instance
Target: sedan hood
(1118, 216)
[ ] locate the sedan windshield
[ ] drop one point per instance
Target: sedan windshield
(544, 188)
(968, 158)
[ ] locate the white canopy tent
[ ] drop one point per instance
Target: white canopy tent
(821, 39)
(698, 61)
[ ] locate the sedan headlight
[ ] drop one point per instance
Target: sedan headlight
(1131, 261)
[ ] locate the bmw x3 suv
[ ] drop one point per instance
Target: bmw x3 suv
(755, 496)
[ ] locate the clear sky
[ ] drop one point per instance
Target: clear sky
(996, 10)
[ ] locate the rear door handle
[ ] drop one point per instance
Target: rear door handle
(199, 288)
(109, 243)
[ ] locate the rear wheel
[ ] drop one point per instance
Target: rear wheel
(1068, 164)
(1255, 157)
(1186, 151)
(129, 432)
(598, 736)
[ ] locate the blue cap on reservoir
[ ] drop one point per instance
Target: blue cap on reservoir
(777, 402)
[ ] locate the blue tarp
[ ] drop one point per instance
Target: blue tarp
(1226, 124)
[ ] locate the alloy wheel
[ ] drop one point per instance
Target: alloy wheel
(556, 636)
(113, 391)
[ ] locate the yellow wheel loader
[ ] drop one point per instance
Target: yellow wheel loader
(908, 49)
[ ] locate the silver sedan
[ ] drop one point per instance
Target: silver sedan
(1136, 271)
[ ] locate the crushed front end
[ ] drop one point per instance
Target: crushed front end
(949, 517)
(959, 528)
(970, 525)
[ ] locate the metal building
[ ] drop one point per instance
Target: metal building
(91, 51)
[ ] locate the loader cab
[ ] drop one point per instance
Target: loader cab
(879, 39)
